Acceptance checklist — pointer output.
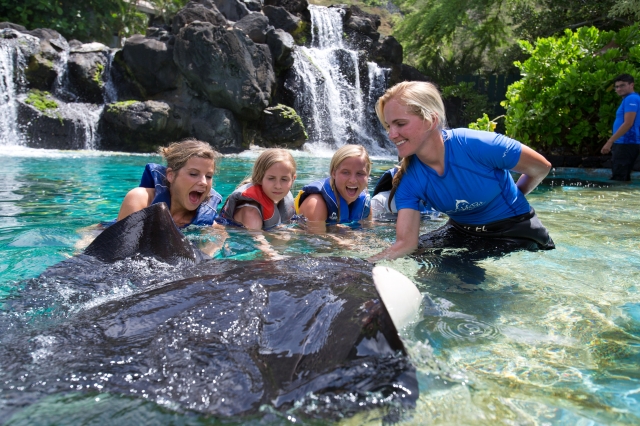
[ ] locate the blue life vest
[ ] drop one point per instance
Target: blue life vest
(357, 210)
(272, 214)
(154, 176)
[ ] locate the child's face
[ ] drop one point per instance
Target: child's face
(278, 180)
(351, 178)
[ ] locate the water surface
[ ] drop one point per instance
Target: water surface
(529, 338)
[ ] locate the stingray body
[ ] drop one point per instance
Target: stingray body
(144, 314)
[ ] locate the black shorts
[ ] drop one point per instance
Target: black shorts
(518, 232)
(623, 157)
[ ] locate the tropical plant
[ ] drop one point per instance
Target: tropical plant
(85, 20)
(443, 38)
(565, 98)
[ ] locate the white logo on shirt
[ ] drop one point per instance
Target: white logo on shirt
(464, 205)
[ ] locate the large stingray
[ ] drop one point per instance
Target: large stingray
(142, 313)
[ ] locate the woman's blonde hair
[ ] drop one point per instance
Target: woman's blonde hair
(178, 153)
(267, 159)
(421, 99)
(344, 152)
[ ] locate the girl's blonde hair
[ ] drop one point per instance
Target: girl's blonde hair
(422, 99)
(267, 159)
(344, 152)
(178, 153)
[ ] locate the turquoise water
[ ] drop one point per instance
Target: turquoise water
(530, 338)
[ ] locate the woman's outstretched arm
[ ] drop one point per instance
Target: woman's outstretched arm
(407, 230)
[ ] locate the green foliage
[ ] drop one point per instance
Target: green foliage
(85, 20)
(447, 37)
(624, 8)
(42, 101)
(443, 38)
(565, 97)
(485, 123)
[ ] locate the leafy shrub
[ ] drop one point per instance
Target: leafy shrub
(565, 101)
(485, 123)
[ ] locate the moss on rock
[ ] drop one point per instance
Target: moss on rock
(40, 100)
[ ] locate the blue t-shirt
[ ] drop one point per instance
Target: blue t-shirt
(630, 103)
(476, 186)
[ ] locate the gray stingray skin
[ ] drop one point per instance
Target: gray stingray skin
(144, 314)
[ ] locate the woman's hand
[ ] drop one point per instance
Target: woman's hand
(407, 230)
(533, 167)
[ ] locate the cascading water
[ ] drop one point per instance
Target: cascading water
(335, 106)
(110, 91)
(77, 121)
(12, 82)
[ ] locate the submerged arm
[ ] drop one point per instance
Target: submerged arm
(407, 232)
(249, 217)
(314, 209)
(533, 168)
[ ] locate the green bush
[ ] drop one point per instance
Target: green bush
(565, 101)
(85, 20)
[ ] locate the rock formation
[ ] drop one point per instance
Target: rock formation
(216, 72)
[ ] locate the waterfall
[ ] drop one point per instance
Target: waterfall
(110, 90)
(77, 121)
(334, 100)
(12, 81)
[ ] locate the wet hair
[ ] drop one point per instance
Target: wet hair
(178, 153)
(422, 99)
(627, 78)
(344, 152)
(267, 159)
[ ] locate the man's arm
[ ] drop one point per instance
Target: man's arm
(407, 230)
(629, 118)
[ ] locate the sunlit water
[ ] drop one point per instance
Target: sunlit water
(529, 338)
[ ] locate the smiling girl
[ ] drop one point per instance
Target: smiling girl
(184, 185)
(343, 196)
(263, 200)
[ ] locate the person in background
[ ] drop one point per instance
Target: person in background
(624, 144)
(463, 173)
(184, 184)
(263, 200)
(383, 203)
(342, 197)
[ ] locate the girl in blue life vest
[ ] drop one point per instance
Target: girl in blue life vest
(184, 185)
(263, 200)
(463, 173)
(343, 196)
